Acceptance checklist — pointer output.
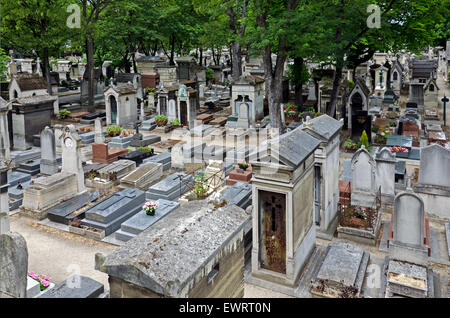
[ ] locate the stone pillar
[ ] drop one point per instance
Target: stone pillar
(71, 160)
(142, 116)
(151, 102)
(99, 138)
(4, 133)
(49, 165)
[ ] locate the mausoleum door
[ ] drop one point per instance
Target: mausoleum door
(357, 103)
(273, 225)
(113, 103)
(183, 113)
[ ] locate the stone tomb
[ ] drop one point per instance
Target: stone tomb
(110, 213)
(341, 274)
(101, 153)
(204, 257)
(137, 156)
(19, 156)
(16, 194)
(171, 188)
(31, 167)
(141, 221)
(165, 159)
(47, 192)
(88, 288)
(145, 141)
(143, 177)
(284, 231)
(239, 194)
(116, 170)
(87, 138)
(120, 142)
(239, 175)
(64, 213)
(434, 181)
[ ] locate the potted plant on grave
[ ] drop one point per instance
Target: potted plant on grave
(146, 149)
(350, 145)
(126, 133)
(175, 123)
(243, 166)
(43, 280)
(150, 207)
(63, 113)
(161, 120)
(290, 113)
(113, 131)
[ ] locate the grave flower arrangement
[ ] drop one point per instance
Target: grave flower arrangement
(161, 120)
(127, 133)
(43, 280)
(399, 149)
(243, 165)
(150, 207)
(113, 131)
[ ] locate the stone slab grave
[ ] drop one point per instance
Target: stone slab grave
(16, 195)
(141, 221)
(342, 272)
(408, 273)
(90, 118)
(164, 158)
(63, 213)
(19, 156)
(218, 121)
(143, 177)
(76, 286)
(294, 125)
(171, 188)
(120, 142)
(205, 118)
(112, 173)
(148, 125)
(87, 138)
(14, 177)
(191, 149)
(32, 167)
(164, 146)
(137, 156)
(447, 235)
(212, 152)
(145, 141)
(239, 194)
(202, 130)
(37, 140)
(110, 213)
(228, 167)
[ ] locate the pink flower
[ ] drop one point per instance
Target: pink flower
(45, 283)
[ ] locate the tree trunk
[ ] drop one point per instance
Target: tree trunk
(134, 62)
(201, 57)
(236, 58)
(47, 71)
(90, 67)
(172, 50)
(298, 66)
(336, 85)
(274, 85)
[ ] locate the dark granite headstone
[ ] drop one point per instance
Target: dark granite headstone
(75, 287)
(137, 156)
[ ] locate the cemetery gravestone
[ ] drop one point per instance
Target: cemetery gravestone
(99, 137)
(363, 178)
(142, 177)
(75, 287)
(48, 163)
